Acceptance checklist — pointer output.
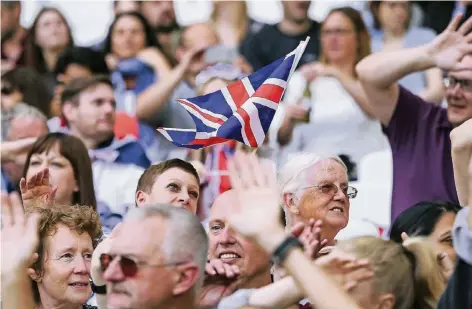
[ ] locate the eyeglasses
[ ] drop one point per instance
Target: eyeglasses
(336, 32)
(129, 266)
(465, 84)
(332, 189)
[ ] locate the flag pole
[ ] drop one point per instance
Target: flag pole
(298, 56)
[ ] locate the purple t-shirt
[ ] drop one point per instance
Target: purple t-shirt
(421, 148)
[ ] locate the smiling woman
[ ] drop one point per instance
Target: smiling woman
(68, 236)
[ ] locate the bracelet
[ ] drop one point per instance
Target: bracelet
(98, 289)
(280, 254)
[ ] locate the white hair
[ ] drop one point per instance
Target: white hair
(293, 175)
(19, 110)
(184, 238)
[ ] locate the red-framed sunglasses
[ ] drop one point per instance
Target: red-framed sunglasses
(129, 265)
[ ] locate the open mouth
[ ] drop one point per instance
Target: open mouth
(337, 209)
(79, 284)
(228, 256)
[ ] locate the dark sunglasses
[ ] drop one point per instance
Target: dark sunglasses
(129, 266)
(7, 90)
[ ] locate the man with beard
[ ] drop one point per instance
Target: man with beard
(161, 16)
(275, 41)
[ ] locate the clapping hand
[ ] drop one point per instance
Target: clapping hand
(345, 269)
(20, 237)
(310, 236)
(37, 190)
(258, 216)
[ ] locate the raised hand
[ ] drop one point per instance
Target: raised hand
(449, 47)
(17, 150)
(254, 180)
(20, 237)
(345, 269)
(37, 191)
(310, 237)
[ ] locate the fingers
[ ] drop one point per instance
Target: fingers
(405, 236)
(466, 26)
(32, 228)
(7, 215)
(217, 267)
(17, 209)
(454, 23)
(297, 229)
(236, 183)
(52, 196)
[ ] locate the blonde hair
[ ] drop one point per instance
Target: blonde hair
(240, 11)
(410, 271)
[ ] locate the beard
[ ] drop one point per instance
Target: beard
(167, 28)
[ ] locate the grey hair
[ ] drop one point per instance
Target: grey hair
(292, 176)
(185, 236)
(20, 110)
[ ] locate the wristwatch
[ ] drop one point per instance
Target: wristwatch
(281, 252)
(98, 289)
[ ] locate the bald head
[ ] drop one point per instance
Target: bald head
(199, 35)
(225, 203)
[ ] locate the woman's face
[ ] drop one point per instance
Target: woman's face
(332, 208)
(128, 37)
(66, 267)
(338, 38)
(441, 235)
(176, 187)
(393, 15)
(51, 31)
(60, 171)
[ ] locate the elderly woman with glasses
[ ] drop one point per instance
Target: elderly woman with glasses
(316, 187)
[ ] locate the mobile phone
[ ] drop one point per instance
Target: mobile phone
(220, 54)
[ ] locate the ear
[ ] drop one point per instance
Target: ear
(141, 198)
(187, 277)
(290, 203)
(69, 111)
(386, 301)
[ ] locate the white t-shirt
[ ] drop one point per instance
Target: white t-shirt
(337, 124)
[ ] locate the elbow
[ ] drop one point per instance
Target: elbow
(364, 71)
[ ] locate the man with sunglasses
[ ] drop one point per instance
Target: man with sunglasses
(418, 131)
(156, 259)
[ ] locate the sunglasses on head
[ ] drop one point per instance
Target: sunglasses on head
(129, 265)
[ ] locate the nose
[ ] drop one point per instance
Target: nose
(81, 266)
(108, 107)
(455, 90)
(227, 237)
(184, 197)
(113, 272)
(340, 195)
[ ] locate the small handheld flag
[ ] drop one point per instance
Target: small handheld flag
(242, 111)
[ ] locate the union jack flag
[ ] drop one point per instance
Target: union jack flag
(242, 111)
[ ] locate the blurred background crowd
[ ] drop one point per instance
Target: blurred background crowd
(155, 52)
(85, 85)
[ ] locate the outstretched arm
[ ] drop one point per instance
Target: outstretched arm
(380, 72)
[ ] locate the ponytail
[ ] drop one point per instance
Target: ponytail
(428, 277)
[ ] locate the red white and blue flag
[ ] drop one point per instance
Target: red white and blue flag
(242, 111)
